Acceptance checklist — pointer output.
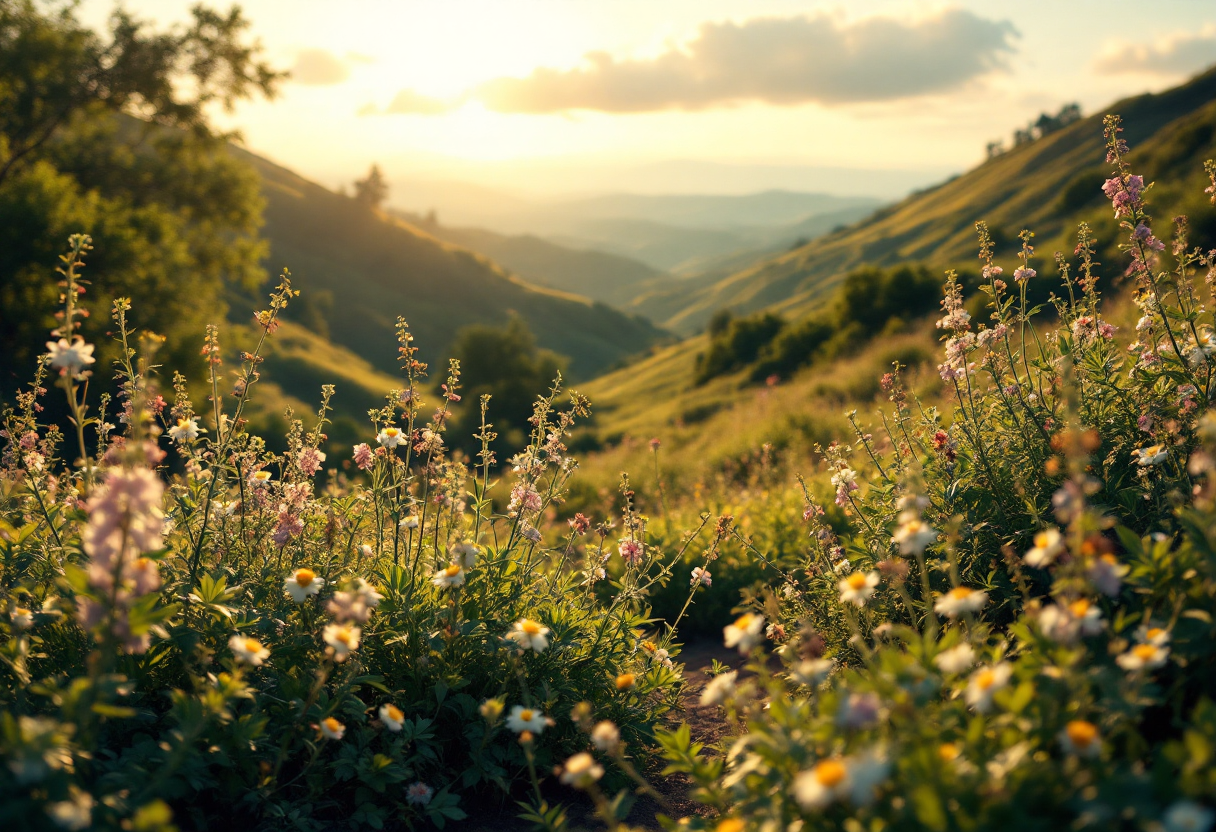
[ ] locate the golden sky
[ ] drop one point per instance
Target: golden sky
(569, 96)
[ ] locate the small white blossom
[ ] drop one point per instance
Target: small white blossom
(745, 632)
(961, 600)
(719, 689)
(529, 635)
(392, 717)
(1048, 544)
(857, 588)
(303, 583)
(957, 659)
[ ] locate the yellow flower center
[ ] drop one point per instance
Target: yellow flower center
(1042, 540)
(262, 476)
(391, 433)
(625, 681)
(530, 627)
(913, 526)
(856, 581)
(986, 679)
(959, 593)
(730, 825)
(304, 577)
(743, 622)
(1109, 558)
(1154, 633)
(948, 751)
(1082, 734)
(252, 645)
(20, 611)
(394, 713)
(344, 636)
(1144, 652)
(1079, 608)
(452, 570)
(332, 724)
(830, 773)
(526, 715)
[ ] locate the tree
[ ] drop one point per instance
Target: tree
(108, 135)
(373, 190)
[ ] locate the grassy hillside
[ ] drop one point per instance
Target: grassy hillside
(609, 278)
(1048, 185)
(360, 269)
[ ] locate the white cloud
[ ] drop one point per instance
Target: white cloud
(319, 68)
(1177, 54)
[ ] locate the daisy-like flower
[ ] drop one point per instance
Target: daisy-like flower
(719, 689)
(390, 436)
(606, 736)
(302, 583)
(1048, 544)
(248, 650)
(22, 618)
(1151, 455)
(857, 588)
(410, 521)
(1081, 738)
(825, 783)
(419, 794)
(1157, 636)
(811, 671)
(259, 477)
(491, 710)
(700, 576)
(466, 554)
(343, 639)
(392, 717)
(1188, 816)
(1106, 573)
(70, 358)
(745, 633)
(961, 600)
(913, 535)
(331, 729)
(529, 635)
(1087, 615)
(186, 430)
(450, 576)
(958, 659)
(581, 771)
(984, 683)
(526, 719)
(1143, 657)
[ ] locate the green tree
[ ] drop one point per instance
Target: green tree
(505, 363)
(372, 190)
(108, 135)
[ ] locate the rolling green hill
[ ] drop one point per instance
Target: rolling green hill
(359, 269)
(1048, 185)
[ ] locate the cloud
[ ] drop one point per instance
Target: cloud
(319, 68)
(408, 102)
(1177, 54)
(774, 60)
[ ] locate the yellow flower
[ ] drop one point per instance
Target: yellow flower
(392, 717)
(1081, 738)
(625, 681)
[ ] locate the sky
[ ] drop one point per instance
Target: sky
(548, 97)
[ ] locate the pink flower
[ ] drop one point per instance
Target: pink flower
(631, 551)
(310, 460)
(363, 457)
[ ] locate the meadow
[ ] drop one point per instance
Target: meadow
(986, 605)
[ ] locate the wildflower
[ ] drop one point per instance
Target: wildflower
(465, 554)
(948, 752)
(1087, 615)
(73, 814)
(259, 477)
(986, 682)
(22, 618)
(491, 710)
(419, 794)
(811, 671)
(302, 583)
(145, 576)
(410, 521)
(429, 442)
(625, 681)
(913, 535)
(1143, 657)
(719, 689)
(1188, 816)
(857, 588)
(248, 650)
(730, 825)
(955, 660)
(331, 729)
(1081, 738)
(828, 781)
(1151, 455)
(581, 770)
(580, 523)
(1106, 573)
(309, 460)
(392, 717)
(343, 639)
(450, 576)
(363, 457)
(631, 551)
(1156, 636)
(524, 719)
(606, 736)
(1022, 273)
(961, 600)
(390, 436)
(529, 635)
(531, 533)
(70, 358)
(186, 430)
(1048, 544)
(859, 710)
(745, 632)
(701, 576)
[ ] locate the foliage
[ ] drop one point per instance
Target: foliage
(373, 189)
(261, 641)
